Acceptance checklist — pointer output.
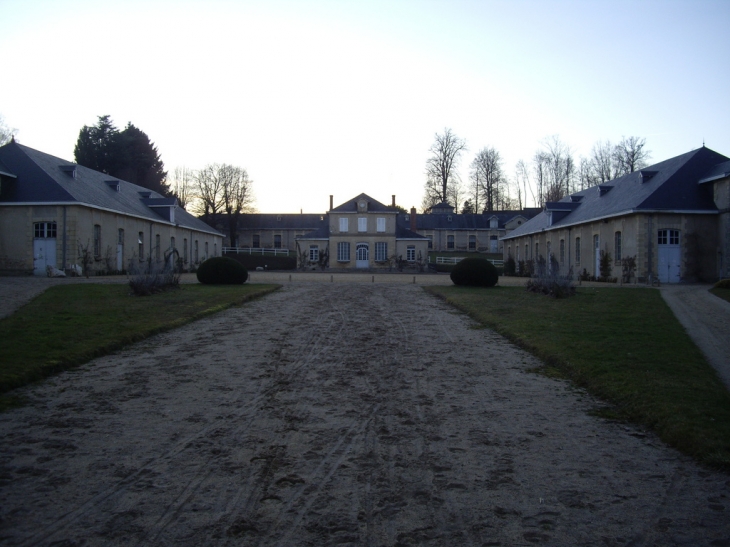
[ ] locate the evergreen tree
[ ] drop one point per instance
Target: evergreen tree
(128, 155)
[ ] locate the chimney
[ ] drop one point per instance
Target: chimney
(393, 201)
(413, 219)
(331, 197)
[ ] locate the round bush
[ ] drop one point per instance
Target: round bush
(221, 270)
(722, 284)
(475, 272)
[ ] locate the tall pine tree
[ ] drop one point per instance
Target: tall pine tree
(128, 154)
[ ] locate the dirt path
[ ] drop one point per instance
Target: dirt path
(338, 415)
(707, 321)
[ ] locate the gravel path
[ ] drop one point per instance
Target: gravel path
(338, 414)
(707, 321)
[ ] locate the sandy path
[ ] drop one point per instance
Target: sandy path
(338, 415)
(707, 321)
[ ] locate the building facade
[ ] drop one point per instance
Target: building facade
(52, 212)
(670, 220)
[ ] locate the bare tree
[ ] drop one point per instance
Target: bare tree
(208, 193)
(488, 177)
(237, 196)
(183, 185)
(6, 132)
(522, 179)
(630, 154)
(441, 167)
(554, 170)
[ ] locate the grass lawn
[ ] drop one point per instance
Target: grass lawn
(69, 325)
(721, 293)
(622, 345)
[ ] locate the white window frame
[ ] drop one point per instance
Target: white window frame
(343, 251)
(362, 224)
(314, 253)
(381, 251)
(381, 224)
(344, 224)
(411, 253)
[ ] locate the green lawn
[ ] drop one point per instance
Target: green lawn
(68, 325)
(624, 346)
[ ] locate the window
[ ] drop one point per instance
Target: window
(195, 252)
(668, 237)
(97, 241)
(472, 243)
(172, 243)
(381, 225)
(430, 242)
(537, 251)
(185, 251)
(562, 251)
(381, 251)
(343, 251)
(157, 246)
(411, 253)
(527, 251)
(549, 255)
(277, 241)
(206, 250)
(494, 223)
(517, 249)
(577, 250)
(314, 253)
(449, 242)
(343, 224)
(362, 224)
(255, 241)
(215, 249)
(140, 245)
(617, 246)
(120, 237)
(44, 229)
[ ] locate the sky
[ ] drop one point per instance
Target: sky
(320, 98)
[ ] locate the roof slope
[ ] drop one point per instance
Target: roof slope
(473, 221)
(374, 205)
(42, 178)
(671, 185)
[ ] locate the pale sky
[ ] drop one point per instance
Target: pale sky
(316, 98)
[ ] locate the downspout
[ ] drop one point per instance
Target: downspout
(150, 248)
(570, 262)
(65, 265)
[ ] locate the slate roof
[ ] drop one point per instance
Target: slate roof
(475, 221)
(261, 221)
(42, 178)
(374, 206)
(668, 186)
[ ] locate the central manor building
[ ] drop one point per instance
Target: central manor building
(365, 233)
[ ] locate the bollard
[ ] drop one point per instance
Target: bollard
(373, 279)
(289, 278)
(414, 279)
(332, 279)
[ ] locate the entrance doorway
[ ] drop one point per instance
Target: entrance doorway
(669, 256)
(44, 247)
(362, 255)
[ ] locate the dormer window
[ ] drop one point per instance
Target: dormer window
(70, 170)
(449, 218)
(113, 184)
(494, 222)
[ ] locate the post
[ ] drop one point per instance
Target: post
(414, 279)
(289, 278)
(332, 278)
(373, 279)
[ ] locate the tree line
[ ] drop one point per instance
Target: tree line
(550, 175)
(210, 192)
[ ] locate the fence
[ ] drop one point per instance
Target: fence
(255, 251)
(455, 259)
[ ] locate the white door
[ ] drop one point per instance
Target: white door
(362, 256)
(44, 254)
(597, 251)
(493, 244)
(669, 256)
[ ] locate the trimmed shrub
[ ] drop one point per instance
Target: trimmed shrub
(221, 270)
(475, 272)
(722, 284)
